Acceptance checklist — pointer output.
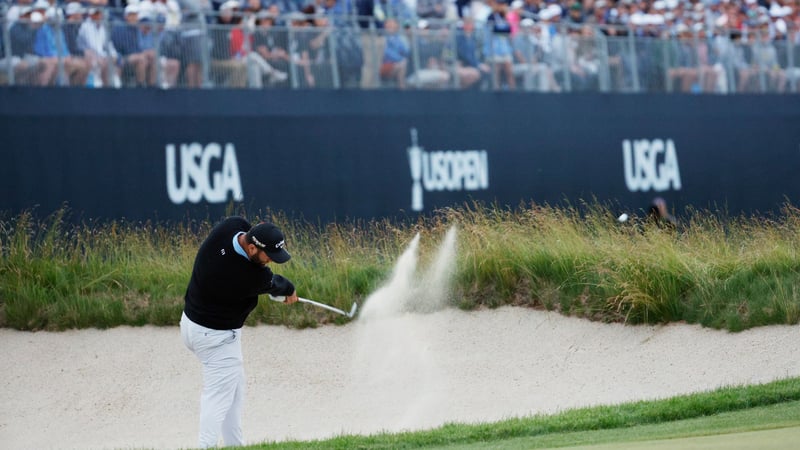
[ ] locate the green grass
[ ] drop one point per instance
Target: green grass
(730, 274)
(727, 410)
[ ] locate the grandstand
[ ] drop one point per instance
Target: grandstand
(623, 46)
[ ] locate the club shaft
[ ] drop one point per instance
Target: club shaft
(312, 302)
(322, 305)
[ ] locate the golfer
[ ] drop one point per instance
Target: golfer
(230, 272)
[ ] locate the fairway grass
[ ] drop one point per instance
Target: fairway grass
(717, 419)
(768, 427)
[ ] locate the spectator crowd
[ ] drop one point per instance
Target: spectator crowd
(717, 46)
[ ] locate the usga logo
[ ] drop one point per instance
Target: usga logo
(452, 170)
(651, 164)
(196, 179)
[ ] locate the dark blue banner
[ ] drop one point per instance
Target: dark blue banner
(149, 154)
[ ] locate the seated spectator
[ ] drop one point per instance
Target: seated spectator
(228, 63)
(152, 35)
(300, 36)
(431, 44)
(133, 58)
(11, 63)
(51, 44)
(74, 14)
(33, 70)
(15, 11)
(470, 68)
(584, 63)
(271, 43)
(98, 49)
(395, 55)
(766, 66)
(528, 56)
(258, 64)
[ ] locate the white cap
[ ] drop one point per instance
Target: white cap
(132, 9)
(230, 4)
(73, 8)
(37, 17)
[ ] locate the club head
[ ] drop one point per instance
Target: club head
(353, 310)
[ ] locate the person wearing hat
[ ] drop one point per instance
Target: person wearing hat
(228, 67)
(98, 48)
(50, 47)
(230, 271)
(127, 40)
(30, 68)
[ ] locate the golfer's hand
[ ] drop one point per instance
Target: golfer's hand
(291, 298)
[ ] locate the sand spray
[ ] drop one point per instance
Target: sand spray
(393, 354)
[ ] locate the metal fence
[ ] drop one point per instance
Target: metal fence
(305, 52)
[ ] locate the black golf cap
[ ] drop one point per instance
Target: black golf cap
(269, 238)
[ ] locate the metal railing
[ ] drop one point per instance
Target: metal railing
(349, 53)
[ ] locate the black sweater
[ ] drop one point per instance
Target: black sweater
(225, 286)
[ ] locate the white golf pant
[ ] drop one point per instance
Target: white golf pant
(222, 400)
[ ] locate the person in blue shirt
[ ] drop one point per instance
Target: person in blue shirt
(395, 55)
(50, 45)
(126, 39)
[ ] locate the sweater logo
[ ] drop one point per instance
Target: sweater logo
(196, 172)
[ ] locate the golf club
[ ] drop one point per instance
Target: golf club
(321, 305)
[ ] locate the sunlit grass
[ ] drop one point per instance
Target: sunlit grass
(729, 409)
(734, 273)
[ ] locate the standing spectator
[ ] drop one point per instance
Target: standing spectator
(499, 45)
(349, 53)
(300, 36)
(575, 15)
(193, 42)
(319, 47)
(395, 55)
(51, 44)
(372, 14)
(432, 9)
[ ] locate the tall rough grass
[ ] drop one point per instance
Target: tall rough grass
(723, 273)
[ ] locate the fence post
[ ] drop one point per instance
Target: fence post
(334, 34)
(634, 61)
